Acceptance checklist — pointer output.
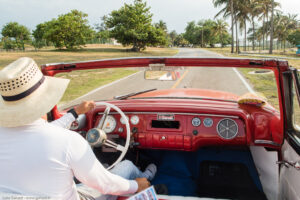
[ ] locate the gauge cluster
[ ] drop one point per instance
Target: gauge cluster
(226, 128)
(177, 131)
(207, 122)
(116, 123)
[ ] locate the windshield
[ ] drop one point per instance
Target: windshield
(215, 83)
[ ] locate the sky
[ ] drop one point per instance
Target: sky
(176, 13)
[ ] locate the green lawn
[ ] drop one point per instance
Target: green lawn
(264, 84)
(289, 53)
(82, 82)
(91, 52)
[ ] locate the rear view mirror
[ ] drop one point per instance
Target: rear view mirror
(160, 75)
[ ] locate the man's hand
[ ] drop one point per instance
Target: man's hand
(84, 107)
(143, 183)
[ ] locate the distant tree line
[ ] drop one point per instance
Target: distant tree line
(207, 33)
(132, 25)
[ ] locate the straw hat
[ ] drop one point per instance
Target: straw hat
(26, 94)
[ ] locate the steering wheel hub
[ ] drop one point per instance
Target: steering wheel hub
(96, 137)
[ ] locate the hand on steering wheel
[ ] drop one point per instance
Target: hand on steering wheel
(97, 136)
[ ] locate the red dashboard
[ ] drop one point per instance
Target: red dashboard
(190, 124)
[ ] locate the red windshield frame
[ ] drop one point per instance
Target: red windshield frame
(52, 69)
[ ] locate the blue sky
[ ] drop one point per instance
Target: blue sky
(176, 13)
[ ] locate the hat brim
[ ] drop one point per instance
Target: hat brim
(34, 106)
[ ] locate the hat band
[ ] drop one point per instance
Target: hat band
(26, 93)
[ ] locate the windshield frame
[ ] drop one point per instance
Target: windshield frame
(277, 66)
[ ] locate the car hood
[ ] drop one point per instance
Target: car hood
(189, 93)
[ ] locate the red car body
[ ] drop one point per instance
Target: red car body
(258, 126)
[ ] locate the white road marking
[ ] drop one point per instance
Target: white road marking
(243, 80)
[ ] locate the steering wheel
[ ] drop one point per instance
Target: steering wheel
(97, 136)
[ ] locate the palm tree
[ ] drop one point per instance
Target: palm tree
(243, 17)
(272, 29)
(283, 26)
(254, 11)
(227, 10)
(173, 36)
(220, 29)
(162, 25)
(266, 7)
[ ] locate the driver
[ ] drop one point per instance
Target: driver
(125, 169)
(41, 159)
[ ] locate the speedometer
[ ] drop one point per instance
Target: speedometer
(110, 124)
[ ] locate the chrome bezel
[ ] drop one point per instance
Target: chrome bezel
(235, 134)
(207, 118)
(122, 121)
(133, 122)
(193, 121)
(115, 124)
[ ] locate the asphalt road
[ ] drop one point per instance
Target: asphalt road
(224, 79)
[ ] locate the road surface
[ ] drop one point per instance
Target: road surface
(224, 79)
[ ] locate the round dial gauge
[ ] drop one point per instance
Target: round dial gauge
(227, 128)
(110, 124)
(122, 120)
(208, 122)
(196, 121)
(134, 119)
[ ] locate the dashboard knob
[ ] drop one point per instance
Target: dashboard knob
(195, 132)
(134, 130)
(163, 138)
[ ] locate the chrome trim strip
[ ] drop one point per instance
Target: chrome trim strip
(266, 142)
(192, 114)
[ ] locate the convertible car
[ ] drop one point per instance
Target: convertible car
(191, 118)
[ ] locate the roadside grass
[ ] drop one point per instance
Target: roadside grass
(91, 52)
(84, 81)
(277, 53)
(262, 83)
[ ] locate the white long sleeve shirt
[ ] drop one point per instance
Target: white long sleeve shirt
(64, 121)
(41, 159)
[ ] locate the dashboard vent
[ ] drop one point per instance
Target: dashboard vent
(227, 129)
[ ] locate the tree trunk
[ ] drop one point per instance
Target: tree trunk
(253, 30)
(245, 42)
(136, 48)
(272, 29)
(236, 36)
(221, 39)
(232, 28)
(263, 47)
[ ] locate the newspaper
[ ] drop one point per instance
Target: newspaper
(147, 194)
